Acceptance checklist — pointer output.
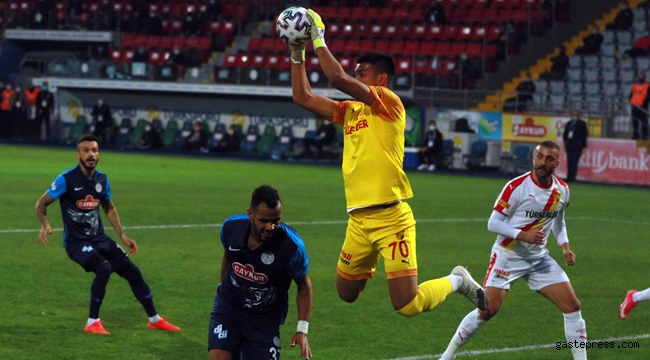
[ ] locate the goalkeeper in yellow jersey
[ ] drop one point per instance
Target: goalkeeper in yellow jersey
(376, 187)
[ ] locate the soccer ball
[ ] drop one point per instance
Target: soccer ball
(293, 27)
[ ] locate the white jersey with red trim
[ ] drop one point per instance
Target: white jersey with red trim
(527, 206)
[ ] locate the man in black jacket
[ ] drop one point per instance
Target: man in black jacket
(575, 139)
(428, 153)
(102, 120)
(591, 43)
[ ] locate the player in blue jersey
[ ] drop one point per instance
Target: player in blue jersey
(81, 191)
(261, 258)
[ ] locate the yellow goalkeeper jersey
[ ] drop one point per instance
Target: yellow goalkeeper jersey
(373, 149)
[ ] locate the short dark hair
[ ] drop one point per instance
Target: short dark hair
(86, 137)
(550, 145)
(381, 62)
(267, 195)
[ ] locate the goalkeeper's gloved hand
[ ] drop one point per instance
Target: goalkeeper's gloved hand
(297, 52)
(317, 29)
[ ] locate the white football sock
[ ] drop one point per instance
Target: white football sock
(456, 281)
(466, 330)
(641, 295)
(154, 319)
(91, 321)
(575, 331)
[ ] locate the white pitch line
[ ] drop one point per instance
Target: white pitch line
(332, 222)
(515, 349)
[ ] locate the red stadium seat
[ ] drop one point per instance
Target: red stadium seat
(156, 57)
(230, 60)
(205, 43)
(128, 40)
(285, 62)
(337, 45)
(367, 45)
(458, 15)
(499, 4)
(382, 46)
(474, 50)
(443, 48)
(257, 61)
(474, 15)
(272, 62)
(358, 14)
(480, 32)
(376, 31)
(449, 32)
(390, 32)
(347, 31)
(116, 55)
(411, 47)
(418, 32)
(434, 32)
(465, 33)
(403, 66)
(353, 46)
(360, 30)
(347, 64)
(427, 48)
(457, 49)
(253, 44)
(491, 15)
(267, 44)
(214, 27)
(395, 47)
(334, 30)
(312, 63)
(127, 55)
(166, 42)
(153, 41)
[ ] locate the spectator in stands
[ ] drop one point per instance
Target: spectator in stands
(560, 63)
(6, 123)
(198, 139)
(230, 141)
(524, 96)
(575, 140)
(429, 153)
(102, 120)
(31, 93)
(435, 14)
(141, 55)
(177, 61)
(153, 24)
(639, 100)
(151, 139)
(325, 135)
(591, 43)
(623, 20)
(213, 9)
(107, 18)
(640, 47)
(44, 109)
(19, 113)
(191, 25)
(508, 42)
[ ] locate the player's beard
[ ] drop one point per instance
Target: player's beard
(89, 167)
(545, 175)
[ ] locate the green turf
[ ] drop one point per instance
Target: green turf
(44, 295)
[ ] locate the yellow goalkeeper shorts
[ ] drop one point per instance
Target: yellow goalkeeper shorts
(385, 231)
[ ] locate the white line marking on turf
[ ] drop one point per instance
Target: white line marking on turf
(519, 348)
(333, 222)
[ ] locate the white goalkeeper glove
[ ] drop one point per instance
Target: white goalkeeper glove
(297, 53)
(317, 29)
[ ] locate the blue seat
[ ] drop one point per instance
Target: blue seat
(216, 136)
(446, 157)
(476, 158)
(519, 162)
(283, 146)
(252, 136)
(123, 132)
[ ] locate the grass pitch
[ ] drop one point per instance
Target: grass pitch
(172, 206)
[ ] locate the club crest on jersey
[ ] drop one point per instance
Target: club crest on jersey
(267, 258)
(248, 272)
(98, 187)
(89, 203)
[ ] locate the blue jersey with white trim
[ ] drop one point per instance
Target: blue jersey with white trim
(80, 199)
(257, 281)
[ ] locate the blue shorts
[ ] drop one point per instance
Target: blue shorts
(108, 249)
(241, 334)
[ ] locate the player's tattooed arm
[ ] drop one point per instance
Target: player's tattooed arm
(41, 214)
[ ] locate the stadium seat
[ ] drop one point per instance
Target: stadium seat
(136, 133)
(179, 136)
(249, 143)
(123, 132)
(216, 136)
(519, 162)
(283, 146)
(476, 157)
(266, 142)
(79, 128)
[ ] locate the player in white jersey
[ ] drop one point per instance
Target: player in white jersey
(527, 210)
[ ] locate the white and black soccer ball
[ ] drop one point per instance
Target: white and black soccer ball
(293, 27)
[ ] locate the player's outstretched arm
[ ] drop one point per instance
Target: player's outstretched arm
(304, 304)
(41, 214)
(114, 219)
(333, 70)
(302, 94)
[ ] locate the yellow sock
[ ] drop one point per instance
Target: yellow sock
(430, 294)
